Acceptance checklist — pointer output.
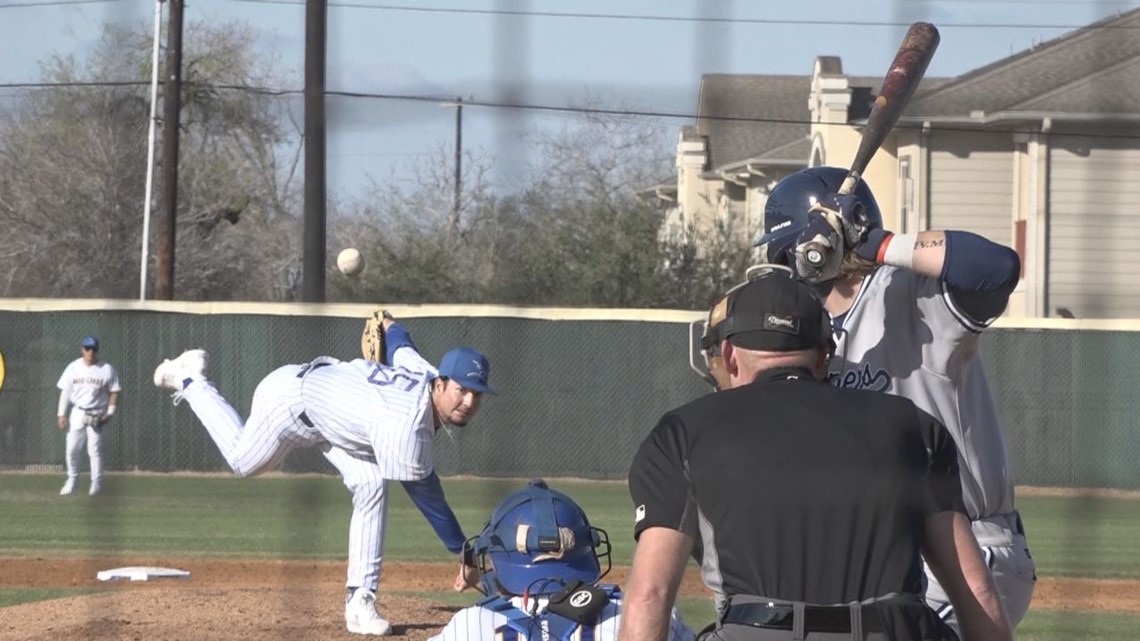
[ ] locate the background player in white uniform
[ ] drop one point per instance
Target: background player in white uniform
(540, 562)
(91, 388)
(373, 422)
(907, 312)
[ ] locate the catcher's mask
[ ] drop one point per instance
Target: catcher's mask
(719, 326)
(537, 541)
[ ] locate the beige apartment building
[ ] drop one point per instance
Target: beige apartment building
(1039, 151)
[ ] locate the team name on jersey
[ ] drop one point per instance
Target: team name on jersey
(87, 380)
(861, 377)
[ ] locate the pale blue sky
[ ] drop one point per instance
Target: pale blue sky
(648, 64)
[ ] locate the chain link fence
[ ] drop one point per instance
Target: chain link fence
(1069, 400)
(576, 397)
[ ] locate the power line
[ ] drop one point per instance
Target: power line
(491, 104)
(699, 19)
(1054, 2)
(50, 3)
(75, 84)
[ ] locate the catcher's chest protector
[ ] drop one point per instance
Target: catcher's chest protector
(546, 625)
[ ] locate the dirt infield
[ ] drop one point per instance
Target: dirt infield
(261, 600)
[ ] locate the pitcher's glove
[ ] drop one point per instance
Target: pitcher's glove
(373, 342)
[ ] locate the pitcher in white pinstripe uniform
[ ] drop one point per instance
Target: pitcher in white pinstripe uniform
(373, 422)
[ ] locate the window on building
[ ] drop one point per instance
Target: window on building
(906, 194)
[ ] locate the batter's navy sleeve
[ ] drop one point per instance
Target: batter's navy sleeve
(428, 496)
(979, 275)
(397, 336)
(659, 482)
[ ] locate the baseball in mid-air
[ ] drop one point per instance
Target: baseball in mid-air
(350, 261)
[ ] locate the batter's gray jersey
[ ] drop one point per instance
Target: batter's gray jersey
(482, 624)
(376, 411)
(903, 335)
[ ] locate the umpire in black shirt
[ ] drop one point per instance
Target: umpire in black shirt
(806, 504)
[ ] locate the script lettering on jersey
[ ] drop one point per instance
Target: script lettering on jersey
(386, 376)
(861, 378)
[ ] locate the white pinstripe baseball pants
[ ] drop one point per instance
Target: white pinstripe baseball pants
(273, 430)
(79, 437)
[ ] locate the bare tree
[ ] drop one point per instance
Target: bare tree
(700, 264)
(575, 233)
(72, 169)
(417, 249)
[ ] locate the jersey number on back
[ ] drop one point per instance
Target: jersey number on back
(385, 376)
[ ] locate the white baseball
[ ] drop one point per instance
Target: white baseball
(350, 261)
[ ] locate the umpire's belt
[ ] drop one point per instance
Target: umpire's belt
(816, 618)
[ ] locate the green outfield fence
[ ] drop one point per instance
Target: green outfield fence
(579, 389)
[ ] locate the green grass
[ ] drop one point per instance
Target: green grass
(17, 596)
(307, 517)
(1058, 625)
(696, 612)
(1083, 536)
(259, 517)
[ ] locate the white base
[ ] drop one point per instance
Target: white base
(141, 573)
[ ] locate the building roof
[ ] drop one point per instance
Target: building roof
(766, 117)
(796, 150)
(745, 115)
(1094, 69)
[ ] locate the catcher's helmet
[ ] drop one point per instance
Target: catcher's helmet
(786, 213)
(538, 540)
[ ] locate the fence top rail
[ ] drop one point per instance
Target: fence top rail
(363, 310)
(349, 310)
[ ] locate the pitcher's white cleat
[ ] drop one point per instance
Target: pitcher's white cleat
(173, 374)
(361, 617)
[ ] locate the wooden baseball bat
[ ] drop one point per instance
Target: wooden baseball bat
(903, 77)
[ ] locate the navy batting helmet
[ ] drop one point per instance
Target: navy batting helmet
(786, 214)
(538, 540)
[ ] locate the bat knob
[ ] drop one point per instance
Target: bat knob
(815, 257)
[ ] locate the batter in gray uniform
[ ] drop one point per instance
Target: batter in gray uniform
(908, 310)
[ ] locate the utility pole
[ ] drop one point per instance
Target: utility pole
(458, 161)
(172, 107)
(152, 124)
(313, 264)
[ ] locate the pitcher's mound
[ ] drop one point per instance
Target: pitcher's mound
(181, 613)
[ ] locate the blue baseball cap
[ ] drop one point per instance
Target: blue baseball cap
(90, 341)
(467, 367)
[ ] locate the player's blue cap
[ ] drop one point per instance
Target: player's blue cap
(90, 342)
(467, 367)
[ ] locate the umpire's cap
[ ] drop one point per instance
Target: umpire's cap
(467, 367)
(774, 313)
